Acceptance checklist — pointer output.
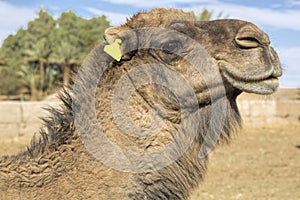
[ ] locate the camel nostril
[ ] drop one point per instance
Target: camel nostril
(247, 42)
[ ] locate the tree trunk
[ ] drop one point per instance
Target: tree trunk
(42, 76)
(42, 69)
(34, 92)
(67, 73)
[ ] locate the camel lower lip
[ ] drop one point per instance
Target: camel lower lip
(265, 86)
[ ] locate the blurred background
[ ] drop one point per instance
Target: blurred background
(42, 43)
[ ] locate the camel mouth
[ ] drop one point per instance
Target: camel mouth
(260, 85)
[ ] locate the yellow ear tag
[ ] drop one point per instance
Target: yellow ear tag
(114, 49)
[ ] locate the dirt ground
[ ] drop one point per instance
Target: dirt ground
(259, 163)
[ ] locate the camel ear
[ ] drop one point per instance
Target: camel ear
(121, 37)
(113, 33)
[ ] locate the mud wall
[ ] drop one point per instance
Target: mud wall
(22, 119)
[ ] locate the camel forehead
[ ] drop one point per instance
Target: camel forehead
(159, 17)
(162, 17)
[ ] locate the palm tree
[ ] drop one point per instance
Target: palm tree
(67, 49)
(40, 53)
(38, 41)
(29, 79)
(206, 15)
(66, 55)
(37, 86)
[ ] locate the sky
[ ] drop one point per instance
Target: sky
(280, 19)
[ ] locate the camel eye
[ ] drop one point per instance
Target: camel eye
(171, 47)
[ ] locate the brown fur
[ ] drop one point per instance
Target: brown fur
(58, 166)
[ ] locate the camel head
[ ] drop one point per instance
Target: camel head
(239, 51)
(243, 54)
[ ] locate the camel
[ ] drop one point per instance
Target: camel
(162, 104)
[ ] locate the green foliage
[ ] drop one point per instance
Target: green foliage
(67, 47)
(35, 84)
(77, 36)
(206, 15)
(9, 86)
(30, 79)
(91, 33)
(10, 58)
(11, 51)
(36, 59)
(50, 81)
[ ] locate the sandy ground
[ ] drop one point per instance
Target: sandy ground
(259, 163)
